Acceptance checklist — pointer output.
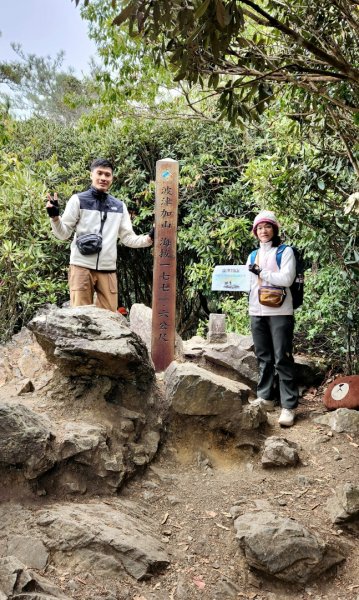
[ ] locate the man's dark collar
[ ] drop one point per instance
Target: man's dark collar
(98, 193)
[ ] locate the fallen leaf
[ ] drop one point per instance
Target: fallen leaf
(223, 527)
(165, 518)
(199, 583)
(302, 493)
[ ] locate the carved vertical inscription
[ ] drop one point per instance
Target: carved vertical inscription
(165, 263)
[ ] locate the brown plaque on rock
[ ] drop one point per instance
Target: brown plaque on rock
(343, 392)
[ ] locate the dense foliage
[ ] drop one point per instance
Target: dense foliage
(243, 54)
(41, 86)
(273, 91)
(226, 176)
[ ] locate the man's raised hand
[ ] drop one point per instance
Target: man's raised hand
(52, 206)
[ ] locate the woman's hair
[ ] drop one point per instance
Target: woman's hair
(276, 241)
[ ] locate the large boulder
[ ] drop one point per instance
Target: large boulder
(197, 394)
(191, 390)
(73, 457)
(111, 540)
(90, 341)
(236, 360)
(104, 420)
(283, 548)
(85, 537)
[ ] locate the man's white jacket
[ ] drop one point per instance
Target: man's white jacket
(83, 214)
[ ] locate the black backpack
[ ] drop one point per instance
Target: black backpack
(297, 287)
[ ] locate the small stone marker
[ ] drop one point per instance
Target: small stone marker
(217, 329)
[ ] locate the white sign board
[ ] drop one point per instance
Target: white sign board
(231, 278)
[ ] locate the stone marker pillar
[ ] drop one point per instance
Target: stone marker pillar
(165, 262)
(217, 329)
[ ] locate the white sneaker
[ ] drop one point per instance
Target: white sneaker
(268, 405)
(286, 417)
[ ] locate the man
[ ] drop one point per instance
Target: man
(95, 212)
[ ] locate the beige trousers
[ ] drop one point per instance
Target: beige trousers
(83, 284)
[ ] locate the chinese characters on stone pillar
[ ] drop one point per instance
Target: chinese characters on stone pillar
(165, 262)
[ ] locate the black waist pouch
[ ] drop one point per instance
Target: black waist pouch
(89, 243)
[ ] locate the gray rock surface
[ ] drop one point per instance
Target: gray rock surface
(283, 547)
(242, 422)
(342, 420)
(17, 582)
(192, 390)
(29, 550)
(244, 342)
(104, 426)
(141, 324)
(279, 452)
(344, 506)
(25, 439)
(235, 359)
(76, 456)
(23, 359)
(232, 356)
(102, 540)
(89, 341)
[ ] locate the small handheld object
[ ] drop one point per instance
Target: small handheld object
(255, 269)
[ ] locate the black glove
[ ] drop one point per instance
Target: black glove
(254, 269)
(53, 210)
(151, 234)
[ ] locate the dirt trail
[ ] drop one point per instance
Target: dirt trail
(196, 479)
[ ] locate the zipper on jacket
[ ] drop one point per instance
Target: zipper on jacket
(101, 228)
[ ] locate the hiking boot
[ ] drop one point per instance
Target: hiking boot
(286, 418)
(268, 405)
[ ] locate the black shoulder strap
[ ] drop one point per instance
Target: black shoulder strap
(103, 219)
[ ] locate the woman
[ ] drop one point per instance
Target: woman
(272, 326)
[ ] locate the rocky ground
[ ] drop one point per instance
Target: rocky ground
(188, 492)
(197, 478)
(198, 481)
